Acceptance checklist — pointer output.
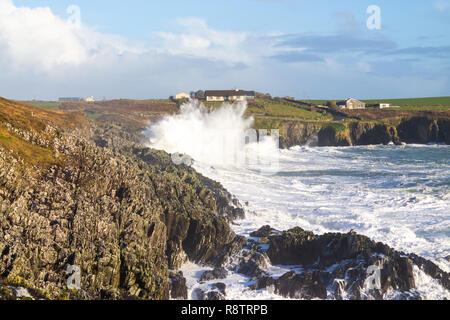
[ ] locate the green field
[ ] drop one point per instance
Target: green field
(278, 109)
(416, 102)
(273, 108)
(49, 105)
(433, 103)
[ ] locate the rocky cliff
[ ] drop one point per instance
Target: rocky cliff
(123, 219)
(420, 130)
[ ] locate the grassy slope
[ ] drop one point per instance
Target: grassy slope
(50, 105)
(272, 113)
(30, 118)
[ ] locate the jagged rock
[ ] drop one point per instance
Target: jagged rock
(232, 248)
(264, 231)
(198, 294)
(217, 273)
(295, 246)
(214, 296)
(221, 287)
(303, 286)
(252, 264)
(342, 262)
(263, 283)
(178, 288)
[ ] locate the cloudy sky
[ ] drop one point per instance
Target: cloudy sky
(153, 49)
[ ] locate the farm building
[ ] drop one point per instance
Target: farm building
(229, 95)
(351, 104)
(182, 95)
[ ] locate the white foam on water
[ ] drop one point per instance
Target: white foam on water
(399, 195)
(236, 285)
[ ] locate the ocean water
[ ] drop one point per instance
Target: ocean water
(399, 195)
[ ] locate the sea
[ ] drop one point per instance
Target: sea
(399, 195)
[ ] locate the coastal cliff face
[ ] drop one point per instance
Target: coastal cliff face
(420, 130)
(123, 220)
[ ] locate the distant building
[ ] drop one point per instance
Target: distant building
(379, 105)
(351, 104)
(182, 95)
(70, 99)
(90, 99)
(229, 95)
(382, 105)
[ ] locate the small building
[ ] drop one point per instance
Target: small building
(229, 95)
(351, 104)
(70, 99)
(379, 106)
(182, 95)
(382, 105)
(90, 99)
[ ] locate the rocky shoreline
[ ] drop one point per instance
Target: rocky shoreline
(411, 130)
(332, 266)
(129, 219)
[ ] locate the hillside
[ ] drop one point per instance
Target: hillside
(29, 132)
(76, 193)
(133, 114)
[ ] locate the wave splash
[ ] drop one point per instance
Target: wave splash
(218, 136)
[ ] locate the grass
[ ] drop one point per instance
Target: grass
(261, 123)
(273, 108)
(31, 154)
(338, 126)
(28, 118)
(416, 102)
(49, 105)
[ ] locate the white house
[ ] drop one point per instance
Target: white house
(182, 95)
(351, 104)
(229, 95)
(90, 99)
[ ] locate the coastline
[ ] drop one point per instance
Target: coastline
(129, 219)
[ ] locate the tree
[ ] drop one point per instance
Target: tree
(332, 105)
(200, 94)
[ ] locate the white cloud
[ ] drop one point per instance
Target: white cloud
(37, 39)
(197, 39)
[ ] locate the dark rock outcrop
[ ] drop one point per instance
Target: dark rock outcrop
(217, 273)
(330, 137)
(340, 265)
(178, 288)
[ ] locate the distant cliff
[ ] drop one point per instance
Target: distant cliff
(420, 130)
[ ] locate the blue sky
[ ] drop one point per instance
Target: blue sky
(153, 49)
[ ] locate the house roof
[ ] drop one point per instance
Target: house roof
(228, 93)
(347, 100)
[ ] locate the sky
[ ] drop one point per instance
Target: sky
(146, 49)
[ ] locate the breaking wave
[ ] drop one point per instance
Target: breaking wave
(218, 137)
